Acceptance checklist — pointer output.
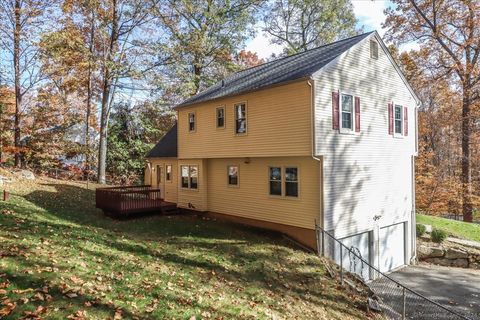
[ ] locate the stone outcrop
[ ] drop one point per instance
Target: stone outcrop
(448, 254)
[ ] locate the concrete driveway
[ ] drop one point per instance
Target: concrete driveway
(455, 288)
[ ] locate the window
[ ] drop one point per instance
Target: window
(193, 177)
(398, 118)
(347, 112)
(275, 181)
(221, 117)
(232, 175)
(159, 174)
(284, 181)
(191, 122)
(184, 172)
(189, 177)
(240, 118)
(168, 172)
(291, 182)
(373, 49)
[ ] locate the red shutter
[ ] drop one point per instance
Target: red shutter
(357, 114)
(335, 110)
(390, 118)
(405, 120)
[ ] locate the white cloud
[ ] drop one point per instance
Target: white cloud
(370, 13)
(262, 46)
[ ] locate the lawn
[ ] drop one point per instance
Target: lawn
(459, 229)
(61, 258)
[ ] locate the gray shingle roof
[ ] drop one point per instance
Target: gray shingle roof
(167, 146)
(290, 68)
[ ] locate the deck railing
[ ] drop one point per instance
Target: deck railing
(122, 201)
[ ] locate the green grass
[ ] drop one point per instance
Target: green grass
(459, 229)
(60, 257)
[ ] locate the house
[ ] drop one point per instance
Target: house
(327, 136)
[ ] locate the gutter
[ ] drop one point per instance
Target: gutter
(311, 83)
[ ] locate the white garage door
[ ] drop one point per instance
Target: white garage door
(360, 244)
(392, 247)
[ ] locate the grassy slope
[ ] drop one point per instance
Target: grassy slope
(52, 237)
(459, 229)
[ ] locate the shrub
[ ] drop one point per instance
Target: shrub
(421, 229)
(439, 235)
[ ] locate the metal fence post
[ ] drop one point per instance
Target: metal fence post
(341, 264)
(323, 243)
(404, 296)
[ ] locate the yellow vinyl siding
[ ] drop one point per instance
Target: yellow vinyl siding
(278, 124)
(171, 187)
(195, 199)
(251, 198)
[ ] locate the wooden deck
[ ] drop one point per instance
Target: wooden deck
(129, 200)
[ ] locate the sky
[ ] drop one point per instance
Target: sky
(368, 12)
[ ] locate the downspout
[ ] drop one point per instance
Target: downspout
(414, 203)
(311, 83)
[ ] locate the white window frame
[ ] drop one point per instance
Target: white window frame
(189, 166)
(342, 129)
(236, 118)
(194, 122)
(402, 121)
(283, 181)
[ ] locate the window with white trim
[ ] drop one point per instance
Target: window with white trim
(398, 119)
(191, 121)
(189, 176)
(240, 118)
(283, 181)
(232, 175)
(346, 111)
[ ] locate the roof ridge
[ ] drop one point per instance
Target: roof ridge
(276, 71)
(299, 53)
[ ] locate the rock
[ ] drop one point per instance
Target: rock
(26, 174)
(428, 228)
(425, 252)
(440, 261)
(374, 304)
(461, 263)
(455, 253)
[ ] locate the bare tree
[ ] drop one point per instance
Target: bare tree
(21, 22)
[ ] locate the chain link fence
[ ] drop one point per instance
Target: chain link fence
(395, 300)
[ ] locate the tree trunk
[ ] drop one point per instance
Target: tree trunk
(89, 95)
(107, 82)
(467, 207)
(18, 93)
